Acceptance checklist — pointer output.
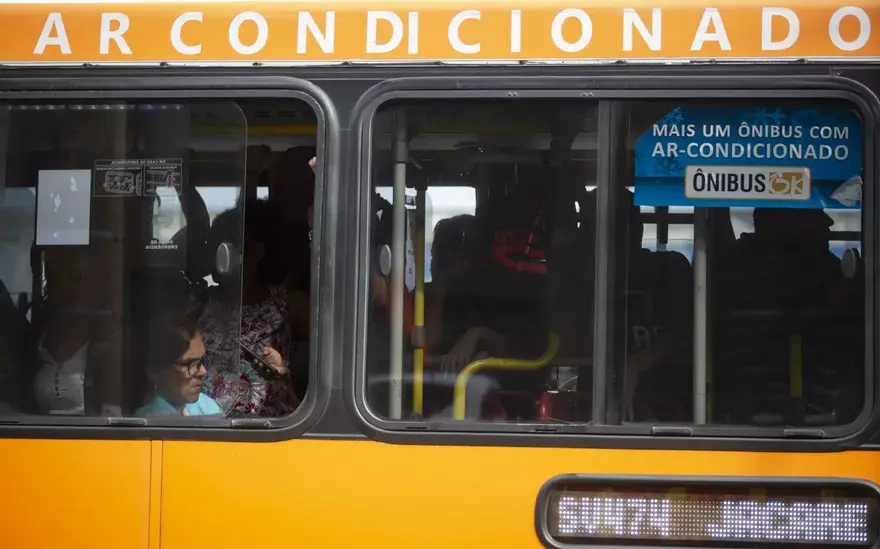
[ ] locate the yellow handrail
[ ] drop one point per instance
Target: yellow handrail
(494, 363)
(419, 306)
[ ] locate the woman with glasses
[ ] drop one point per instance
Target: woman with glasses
(173, 352)
(178, 386)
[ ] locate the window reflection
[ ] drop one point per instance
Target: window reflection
(755, 299)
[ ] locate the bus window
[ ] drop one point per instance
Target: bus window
(504, 268)
(113, 216)
(273, 216)
(668, 229)
(727, 223)
(770, 199)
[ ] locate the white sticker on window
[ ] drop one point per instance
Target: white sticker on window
(409, 273)
(63, 207)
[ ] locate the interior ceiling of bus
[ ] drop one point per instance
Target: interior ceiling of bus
(444, 148)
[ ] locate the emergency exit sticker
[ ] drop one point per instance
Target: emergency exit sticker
(166, 173)
(130, 177)
(118, 178)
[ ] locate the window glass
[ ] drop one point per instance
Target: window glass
(734, 264)
(778, 193)
(155, 258)
(18, 209)
(104, 244)
(273, 274)
(500, 191)
(219, 199)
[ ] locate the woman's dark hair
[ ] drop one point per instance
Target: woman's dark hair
(454, 238)
(166, 313)
(261, 223)
(292, 181)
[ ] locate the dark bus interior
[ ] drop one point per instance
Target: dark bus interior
(527, 173)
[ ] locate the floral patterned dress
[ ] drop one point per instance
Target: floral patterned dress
(231, 380)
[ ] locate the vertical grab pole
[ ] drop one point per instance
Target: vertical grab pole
(701, 316)
(398, 255)
(419, 312)
(606, 389)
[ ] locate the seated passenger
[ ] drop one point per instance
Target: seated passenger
(175, 365)
(785, 242)
(778, 288)
(504, 284)
(254, 311)
(451, 307)
(378, 352)
(77, 321)
(659, 328)
(454, 330)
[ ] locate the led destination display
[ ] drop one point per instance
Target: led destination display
(696, 517)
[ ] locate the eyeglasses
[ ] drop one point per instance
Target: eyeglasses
(193, 366)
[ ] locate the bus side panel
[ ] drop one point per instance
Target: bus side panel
(344, 494)
(74, 494)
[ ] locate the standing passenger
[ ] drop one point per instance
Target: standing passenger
(233, 381)
(292, 187)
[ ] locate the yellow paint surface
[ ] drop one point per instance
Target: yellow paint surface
(65, 494)
(345, 494)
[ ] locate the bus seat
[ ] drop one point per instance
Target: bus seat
(786, 352)
(192, 239)
(482, 365)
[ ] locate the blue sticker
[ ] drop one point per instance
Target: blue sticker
(782, 158)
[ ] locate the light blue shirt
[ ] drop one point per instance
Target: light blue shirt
(204, 406)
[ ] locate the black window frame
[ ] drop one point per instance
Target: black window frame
(324, 245)
(609, 91)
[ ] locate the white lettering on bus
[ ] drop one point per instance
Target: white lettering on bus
(864, 28)
(791, 521)
(452, 34)
(262, 33)
(412, 33)
(652, 38)
(711, 16)
(784, 22)
(306, 24)
(794, 29)
(397, 31)
(586, 30)
(622, 516)
(373, 18)
(177, 30)
(54, 22)
(515, 31)
(108, 33)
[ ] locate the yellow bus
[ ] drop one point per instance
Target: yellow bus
(564, 275)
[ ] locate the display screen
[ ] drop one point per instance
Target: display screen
(710, 516)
